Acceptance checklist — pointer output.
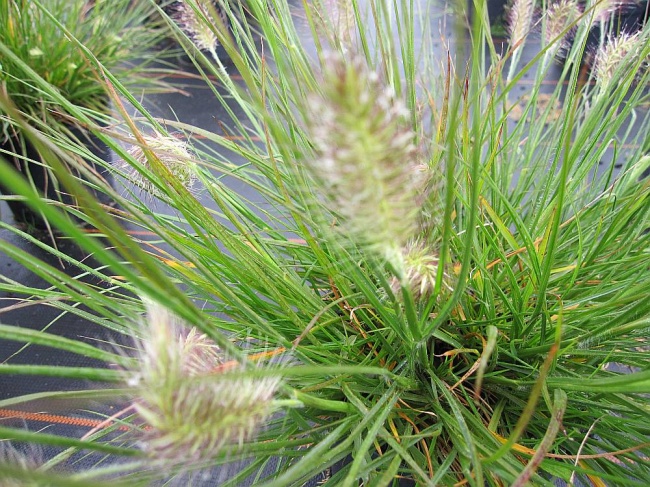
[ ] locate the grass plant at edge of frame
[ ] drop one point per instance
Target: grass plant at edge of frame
(425, 286)
(33, 43)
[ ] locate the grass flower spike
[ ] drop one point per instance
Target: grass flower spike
(366, 161)
(602, 9)
(559, 16)
(421, 269)
(194, 410)
(611, 56)
(521, 16)
(197, 18)
(173, 153)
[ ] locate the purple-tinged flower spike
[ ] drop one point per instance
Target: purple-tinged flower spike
(173, 153)
(601, 10)
(198, 19)
(195, 406)
(366, 161)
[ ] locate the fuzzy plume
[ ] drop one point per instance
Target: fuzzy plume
(197, 18)
(365, 162)
(520, 18)
(193, 410)
(173, 153)
(601, 10)
(420, 270)
(559, 17)
(617, 50)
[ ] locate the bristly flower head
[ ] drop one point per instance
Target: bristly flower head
(421, 265)
(559, 16)
(197, 19)
(193, 409)
(173, 153)
(609, 57)
(601, 10)
(520, 18)
(366, 161)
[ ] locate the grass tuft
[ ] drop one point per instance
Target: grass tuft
(457, 295)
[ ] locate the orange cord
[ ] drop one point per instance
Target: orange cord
(56, 419)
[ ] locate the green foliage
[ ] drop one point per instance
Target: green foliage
(536, 261)
(44, 39)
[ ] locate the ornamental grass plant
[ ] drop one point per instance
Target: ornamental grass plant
(425, 288)
(49, 52)
(59, 43)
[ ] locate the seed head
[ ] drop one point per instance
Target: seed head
(420, 270)
(602, 9)
(559, 16)
(197, 18)
(365, 161)
(617, 50)
(520, 18)
(174, 155)
(194, 411)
